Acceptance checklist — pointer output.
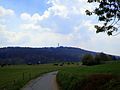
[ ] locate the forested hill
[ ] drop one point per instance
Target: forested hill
(25, 55)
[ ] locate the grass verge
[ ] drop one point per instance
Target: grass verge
(99, 77)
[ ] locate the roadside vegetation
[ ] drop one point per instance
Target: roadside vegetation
(97, 77)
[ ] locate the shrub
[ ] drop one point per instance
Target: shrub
(96, 82)
(88, 60)
(98, 59)
(104, 57)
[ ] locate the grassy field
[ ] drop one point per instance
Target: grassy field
(99, 77)
(70, 76)
(15, 77)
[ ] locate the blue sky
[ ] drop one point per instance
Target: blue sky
(29, 6)
(42, 23)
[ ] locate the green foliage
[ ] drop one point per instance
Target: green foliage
(103, 57)
(107, 12)
(99, 77)
(88, 60)
(100, 58)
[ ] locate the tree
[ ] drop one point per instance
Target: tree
(108, 12)
(104, 57)
(88, 59)
(101, 58)
(98, 59)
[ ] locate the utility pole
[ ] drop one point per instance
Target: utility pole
(58, 44)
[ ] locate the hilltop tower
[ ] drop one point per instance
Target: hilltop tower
(58, 45)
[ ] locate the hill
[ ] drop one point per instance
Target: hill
(26, 55)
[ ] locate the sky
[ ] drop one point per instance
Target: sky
(45, 23)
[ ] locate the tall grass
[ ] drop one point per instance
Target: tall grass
(99, 77)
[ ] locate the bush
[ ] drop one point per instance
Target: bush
(96, 82)
(100, 58)
(104, 57)
(88, 60)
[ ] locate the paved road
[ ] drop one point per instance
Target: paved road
(45, 82)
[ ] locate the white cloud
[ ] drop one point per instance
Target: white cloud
(10, 36)
(2, 27)
(30, 27)
(66, 8)
(48, 38)
(25, 16)
(32, 35)
(57, 8)
(5, 12)
(35, 17)
(102, 43)
(34, 27)
(61, 8)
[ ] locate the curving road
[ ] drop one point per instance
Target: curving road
(45, 82)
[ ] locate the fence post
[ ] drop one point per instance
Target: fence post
(29, 75)
(23, 76)
(14, 82)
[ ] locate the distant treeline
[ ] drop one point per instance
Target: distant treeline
(25, 55)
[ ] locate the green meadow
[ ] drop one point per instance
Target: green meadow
(98, 77)
(15, 77)
(70, 76)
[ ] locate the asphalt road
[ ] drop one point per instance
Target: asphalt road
(45, 82)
